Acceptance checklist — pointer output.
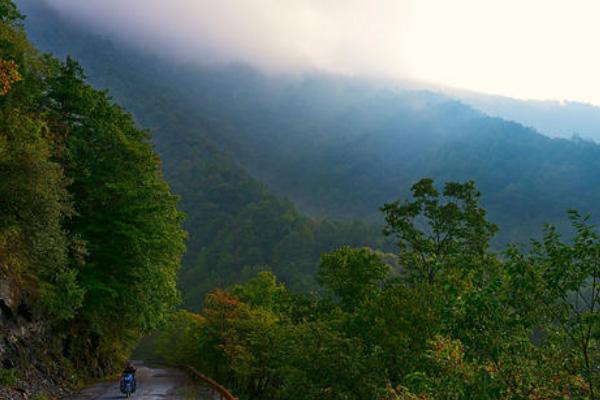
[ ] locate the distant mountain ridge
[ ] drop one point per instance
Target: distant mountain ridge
(553, 118)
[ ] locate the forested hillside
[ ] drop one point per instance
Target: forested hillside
(458, 321)
(90, 235)
(235, 225)
(340, 147)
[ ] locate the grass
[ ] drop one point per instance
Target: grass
(8, 377)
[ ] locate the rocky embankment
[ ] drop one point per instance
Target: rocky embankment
(30, 356)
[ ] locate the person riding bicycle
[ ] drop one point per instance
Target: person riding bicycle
(130, 369)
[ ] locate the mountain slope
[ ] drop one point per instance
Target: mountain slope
(342, 147)
(235, 224)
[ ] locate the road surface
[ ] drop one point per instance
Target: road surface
(152, 384)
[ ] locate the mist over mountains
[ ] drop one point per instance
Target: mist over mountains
(236, 141)
(288, 45)
(281, 37)
(352, 40)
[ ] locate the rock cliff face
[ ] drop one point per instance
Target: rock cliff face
(27, 347)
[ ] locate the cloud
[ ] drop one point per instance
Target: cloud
(349, 36)
(537, 49)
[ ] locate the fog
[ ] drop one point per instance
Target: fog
(534, 49)
(350, 36)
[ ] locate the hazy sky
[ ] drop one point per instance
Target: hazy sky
(542, 49)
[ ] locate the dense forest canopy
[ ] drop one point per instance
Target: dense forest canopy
(456, 320)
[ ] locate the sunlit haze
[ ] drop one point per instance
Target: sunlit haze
(536, 49)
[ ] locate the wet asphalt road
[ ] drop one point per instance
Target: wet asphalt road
(152, 384)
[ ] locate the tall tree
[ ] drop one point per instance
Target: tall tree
(435, 233)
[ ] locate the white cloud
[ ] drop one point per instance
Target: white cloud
(343, 36)
(521, 48)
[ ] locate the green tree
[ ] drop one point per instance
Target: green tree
(351, 274)
(262, 291)
(397, 324)
(87, 222)
(9, 12)
(434, 234)
(124, 211)
(324, 363)
(558, 284)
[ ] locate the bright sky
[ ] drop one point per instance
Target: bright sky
(536, 49)
(544, 49)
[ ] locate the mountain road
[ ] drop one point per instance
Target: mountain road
(152, 384)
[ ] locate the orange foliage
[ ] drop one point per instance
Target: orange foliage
(8, 76)
(221, 305)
